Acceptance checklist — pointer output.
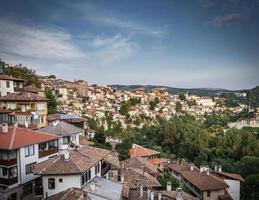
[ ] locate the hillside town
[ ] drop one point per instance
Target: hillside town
(51, 157)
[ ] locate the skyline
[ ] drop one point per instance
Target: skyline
(186, 44)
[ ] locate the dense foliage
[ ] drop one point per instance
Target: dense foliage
(201, 142)
(52, 102)
(20, 71)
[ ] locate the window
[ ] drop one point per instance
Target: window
(4, 172)
(27, 189)
(29, 168)
(13, 172)
(8, 84)
(83, 179)
(43, 146)
(60, 180)
(8, 93)
(97, 169)
(29, 151)
(51, 183)
(208, 193)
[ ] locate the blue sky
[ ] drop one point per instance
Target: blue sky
(184, 43)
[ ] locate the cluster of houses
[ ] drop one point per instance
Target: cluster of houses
(95, 101)
(48, 157)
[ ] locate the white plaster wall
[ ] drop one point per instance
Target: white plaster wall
(68, 182)
(27, 160)
(234, 188)
(4, 89)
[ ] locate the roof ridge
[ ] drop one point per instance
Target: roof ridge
(55, 159)
(12, 139)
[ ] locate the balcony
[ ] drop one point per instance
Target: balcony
(8, 162)
(106, 167)
(48, 152)
(10, 181)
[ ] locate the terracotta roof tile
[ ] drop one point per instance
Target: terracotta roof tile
(23, 97)
(69, 194)
(203, 181)
(130, 180)
(139, 151)
(140, 163)
(80, 160)
(6, 77)
(19, 137)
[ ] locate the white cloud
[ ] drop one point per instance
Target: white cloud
(36, 42)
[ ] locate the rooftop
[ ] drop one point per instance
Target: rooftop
(7, 77)
(19, 137)
(134, 178)
(24, 97)
(139, 151)
(62, 129)
(203, 181)
(166, 195)
(70, 194)
(80, 160)
(104, 189)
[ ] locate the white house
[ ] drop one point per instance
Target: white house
(9, 84)
(20, 150)
(74, 168)
(69, 134)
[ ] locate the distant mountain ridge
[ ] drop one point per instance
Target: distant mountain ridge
(174, 90)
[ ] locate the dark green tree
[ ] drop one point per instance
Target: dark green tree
(52, 102)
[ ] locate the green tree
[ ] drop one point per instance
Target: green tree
(182, 97)
(52, 102)
(19, 71)
(178, 106)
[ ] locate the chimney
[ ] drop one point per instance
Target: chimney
(169, 186)
(208, 172)
(215, 168)
(152, 195)
(141, 191)
(179, 194)
(159, 196)
(5, 128)
(148, 193)
(62, 149)
(192, 167)
(92, 188)
(219, 168)
(122, 178)
(66, 155)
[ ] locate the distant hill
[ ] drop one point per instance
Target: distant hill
(173, 90)
(229, 94)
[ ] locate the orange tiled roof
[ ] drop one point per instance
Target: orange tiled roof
(139, 151)
(19, 137)
(157, 161)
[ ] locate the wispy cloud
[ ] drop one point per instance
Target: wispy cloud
(222, 20)
(114, 48)
(104, 18)
(36, 42)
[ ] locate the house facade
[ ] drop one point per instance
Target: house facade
(20, 150)
(28, 109)
(9, 84)
(72, 168)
